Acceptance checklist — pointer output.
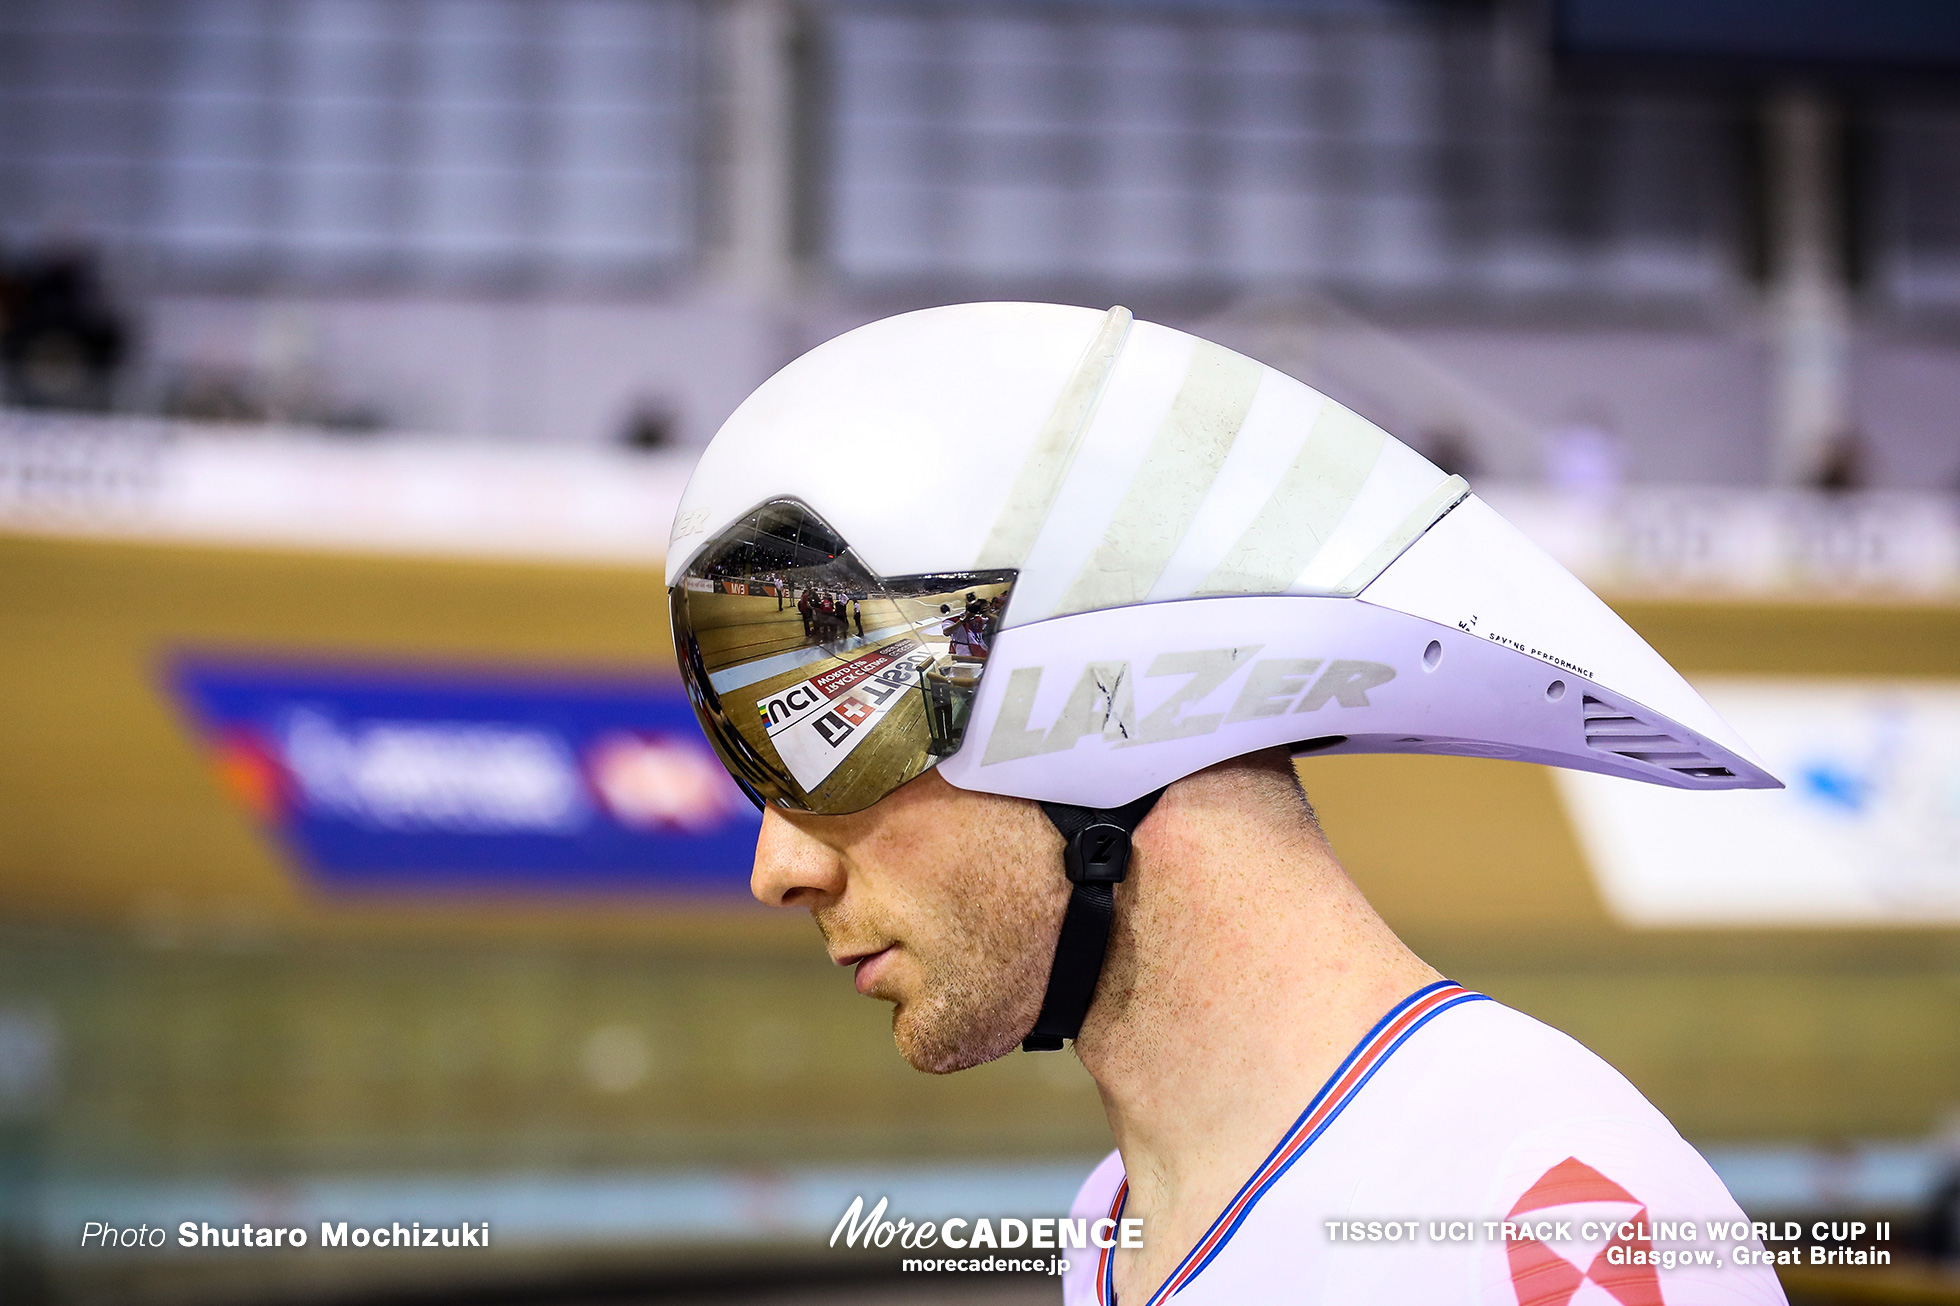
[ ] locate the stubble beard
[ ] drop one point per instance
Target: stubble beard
(981, 993)
(982, 956)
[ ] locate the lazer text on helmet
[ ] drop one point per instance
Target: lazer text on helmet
(1103, 701)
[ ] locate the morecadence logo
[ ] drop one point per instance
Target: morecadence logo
(876, 1228)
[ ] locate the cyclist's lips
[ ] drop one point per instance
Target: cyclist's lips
(869, 965)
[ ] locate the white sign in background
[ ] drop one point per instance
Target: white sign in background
(1867, 831)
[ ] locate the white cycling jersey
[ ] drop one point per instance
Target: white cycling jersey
(1463, 1153)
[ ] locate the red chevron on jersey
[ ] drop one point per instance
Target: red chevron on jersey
(1578, 1273)
(1481, 1112)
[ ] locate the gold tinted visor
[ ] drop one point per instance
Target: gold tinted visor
(822, 686)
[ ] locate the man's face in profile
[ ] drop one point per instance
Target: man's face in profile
(947, 902)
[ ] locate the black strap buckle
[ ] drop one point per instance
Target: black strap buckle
(1099, 854)
(1096, 858)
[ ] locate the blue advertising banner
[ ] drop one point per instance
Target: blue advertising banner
(381, 777)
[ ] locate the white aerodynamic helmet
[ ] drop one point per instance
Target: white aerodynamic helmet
(1071, 557)
(1066, 556)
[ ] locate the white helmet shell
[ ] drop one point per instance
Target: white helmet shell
(1212, 559)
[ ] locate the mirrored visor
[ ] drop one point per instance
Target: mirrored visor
(823, 686)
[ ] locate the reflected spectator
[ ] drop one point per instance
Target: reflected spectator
(1844, 464)
(63, 342)
(209, 395)
(648, 428)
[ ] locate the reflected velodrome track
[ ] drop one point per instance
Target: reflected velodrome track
(757, 655)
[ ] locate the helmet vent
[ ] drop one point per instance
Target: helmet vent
(1626, 732)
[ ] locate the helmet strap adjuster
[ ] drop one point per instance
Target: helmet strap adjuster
(1095, 858)
(1097, 854)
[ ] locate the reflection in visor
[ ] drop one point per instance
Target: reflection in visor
(823, 686)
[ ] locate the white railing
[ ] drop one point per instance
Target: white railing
(157, 479)
(1708, 542)
(269, 487)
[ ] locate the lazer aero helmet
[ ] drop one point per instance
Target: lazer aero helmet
(1085, 557)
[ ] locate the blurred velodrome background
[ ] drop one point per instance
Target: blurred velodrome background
(354, 355)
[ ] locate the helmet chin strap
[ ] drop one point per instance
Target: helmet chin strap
(1096, 858)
